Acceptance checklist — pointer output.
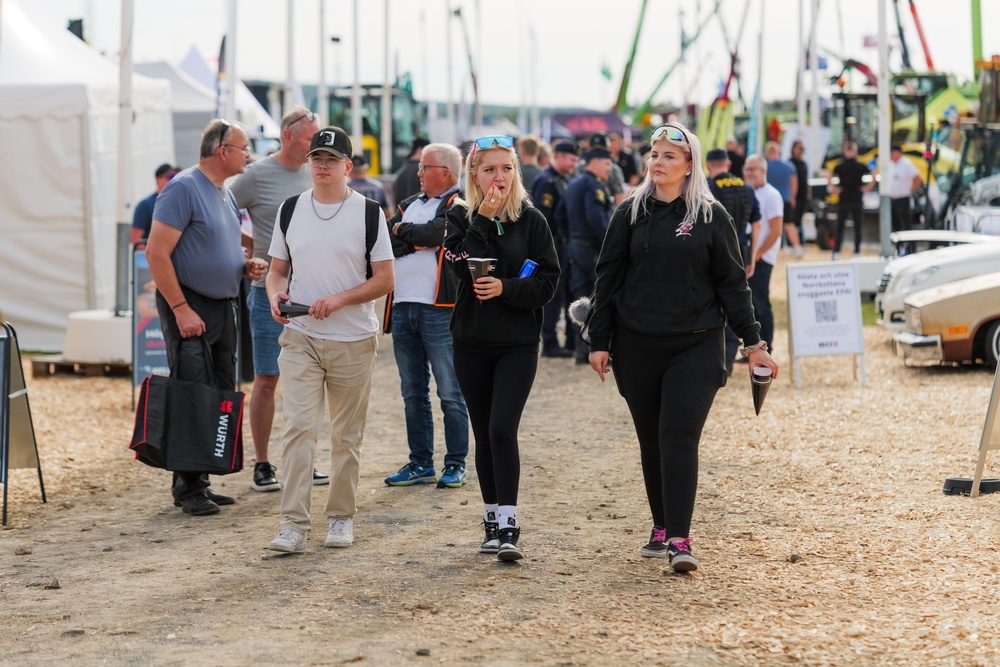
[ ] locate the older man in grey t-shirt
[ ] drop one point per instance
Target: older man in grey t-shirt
(260, 190)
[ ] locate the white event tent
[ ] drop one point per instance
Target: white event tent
(58, 185)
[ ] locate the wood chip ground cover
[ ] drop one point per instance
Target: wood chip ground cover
(848, 478)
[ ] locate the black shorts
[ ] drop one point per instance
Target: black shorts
(788, 217)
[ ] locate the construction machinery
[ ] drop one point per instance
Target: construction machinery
(408, 116)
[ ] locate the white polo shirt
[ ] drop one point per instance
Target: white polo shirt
(901, 175)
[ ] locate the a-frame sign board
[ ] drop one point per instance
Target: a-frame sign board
(17, 434)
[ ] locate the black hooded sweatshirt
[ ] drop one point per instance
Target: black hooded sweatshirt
(511, 322)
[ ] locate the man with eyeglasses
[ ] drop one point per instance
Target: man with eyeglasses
(418, 314)
(260, 190)
(196, 258)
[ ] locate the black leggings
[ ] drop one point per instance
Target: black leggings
(496, 387)
(669, 383)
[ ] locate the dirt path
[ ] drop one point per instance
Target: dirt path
(847, 477)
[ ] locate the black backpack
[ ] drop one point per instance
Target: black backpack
(371, 230)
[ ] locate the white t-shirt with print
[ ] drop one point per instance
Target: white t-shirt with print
(901, 175)
(328, 257)
(771, 206)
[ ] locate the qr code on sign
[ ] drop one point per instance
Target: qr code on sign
(826, 311)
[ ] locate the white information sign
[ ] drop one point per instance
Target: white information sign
(824, 312)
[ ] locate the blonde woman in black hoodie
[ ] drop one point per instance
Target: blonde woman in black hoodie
(668, 278)
(497, 321)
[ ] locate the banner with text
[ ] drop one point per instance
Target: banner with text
(824, 307)
(149, 350)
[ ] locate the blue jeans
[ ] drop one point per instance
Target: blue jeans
(760, 290)
(265, 332)
(421, 343)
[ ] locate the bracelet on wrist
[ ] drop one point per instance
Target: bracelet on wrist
(178, 305)
(747, 349)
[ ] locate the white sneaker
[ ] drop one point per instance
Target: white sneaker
(799, 252)
(341, 533)
(288, 541)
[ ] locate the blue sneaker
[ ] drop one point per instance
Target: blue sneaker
(411, 473)
(453, 477)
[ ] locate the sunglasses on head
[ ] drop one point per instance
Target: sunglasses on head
(225, 125)
(308, 116)
(670, 133)
(497, 141)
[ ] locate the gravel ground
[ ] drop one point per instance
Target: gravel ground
(846, 478)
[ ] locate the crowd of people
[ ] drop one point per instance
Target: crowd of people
(479, 260)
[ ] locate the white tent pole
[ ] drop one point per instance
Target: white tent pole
(815, 154)
(385, 165)
(322, 94)
(356, 127)
(800, 98)
(451, 98)
(124, 157)
(290, 62)
(232, 81)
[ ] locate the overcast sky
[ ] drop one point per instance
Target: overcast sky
(554, 47)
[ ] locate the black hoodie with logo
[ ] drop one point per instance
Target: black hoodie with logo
(512, 321)
(670, 275)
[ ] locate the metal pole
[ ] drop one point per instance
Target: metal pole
(385, 144)
(816, 153)
(884, 120)
(357, 128)
(232, 81)
(124, 157)
(322, 93)
(290, 61)
(451, 98)
(800, 98)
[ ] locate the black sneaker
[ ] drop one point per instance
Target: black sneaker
(199, 505)
(263, 477)
(657, 546)
(558, 353)
(509, 551)
(681, 558)
(491, 544)
(216, 498)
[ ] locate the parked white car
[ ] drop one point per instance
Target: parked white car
(919, 240)
(931, 268)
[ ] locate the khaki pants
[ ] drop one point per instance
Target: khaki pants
(308, 365)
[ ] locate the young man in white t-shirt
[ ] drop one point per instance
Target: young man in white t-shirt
(766, 253)
(334, 345)
(904, 179)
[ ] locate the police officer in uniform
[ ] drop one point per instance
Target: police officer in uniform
(548, 191)
(587, 207)
(615, 181)
(740, 203)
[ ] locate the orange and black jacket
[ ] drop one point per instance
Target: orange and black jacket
(409, 235)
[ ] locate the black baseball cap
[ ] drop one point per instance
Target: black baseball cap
(359, 161)
(332, 140)
(564, 147)
(165, 169)
(717, 155)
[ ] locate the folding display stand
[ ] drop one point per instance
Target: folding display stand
(18, 448)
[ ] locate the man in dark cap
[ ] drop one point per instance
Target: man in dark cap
(740, 203)
(407, 181)
(586, 208)
(142, 219)
(548, 191)
(615, 180)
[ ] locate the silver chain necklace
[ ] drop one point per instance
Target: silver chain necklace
(312, 200)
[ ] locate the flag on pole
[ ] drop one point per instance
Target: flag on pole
(752, 139)
(606, 71)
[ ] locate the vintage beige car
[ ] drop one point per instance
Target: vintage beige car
(958, 322)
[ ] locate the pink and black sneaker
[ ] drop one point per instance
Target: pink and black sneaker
(681, 558)
(657, 547)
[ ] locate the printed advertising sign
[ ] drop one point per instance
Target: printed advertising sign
(824, 309)
(149, 355)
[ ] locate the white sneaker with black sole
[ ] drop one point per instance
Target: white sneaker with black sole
(319, 479)
(264, 479)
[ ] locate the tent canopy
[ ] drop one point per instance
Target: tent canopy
(58, 181)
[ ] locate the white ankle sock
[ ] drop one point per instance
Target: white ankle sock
(490, 513)
(507, 516)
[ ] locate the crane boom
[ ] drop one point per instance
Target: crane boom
(620, 104)
(920, 34)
